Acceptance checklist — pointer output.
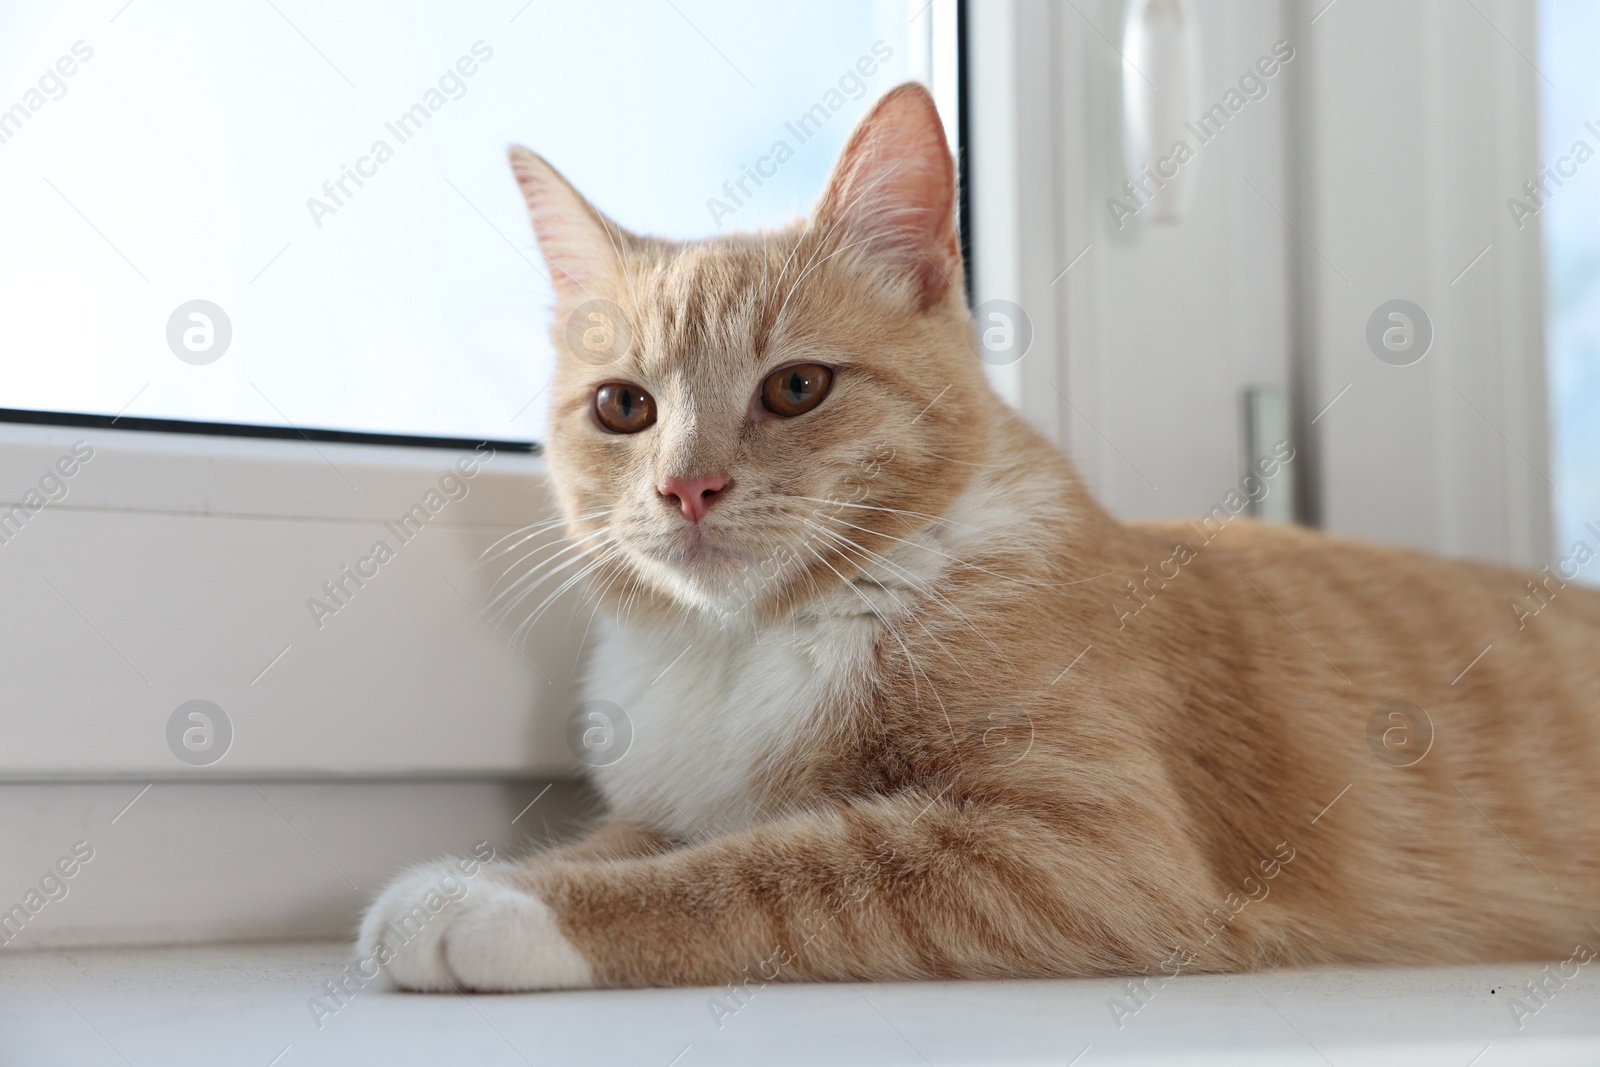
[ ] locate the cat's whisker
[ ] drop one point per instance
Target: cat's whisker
(811, 268)
(891, 511)
(965, 462)
(556, 520)
(889, 628)
(631, 586)
(805, 231)
(766, 263)
(599, 599)
(922, 588)
(525, 588)
(501, 549)
(528, 623)
(846, 543)
(627, 276)
(928, 548)
(543, 569)
(823, 242)
(820, 558)
(569, 540)
(918, 586)
(556, 563)
(533, 530)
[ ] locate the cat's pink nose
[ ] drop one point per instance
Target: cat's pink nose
(693, 495)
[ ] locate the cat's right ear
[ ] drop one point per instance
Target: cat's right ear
(579, 244)
(893, 194)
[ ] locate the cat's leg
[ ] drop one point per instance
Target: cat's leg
(415, 910)
(908, 886)
(614, 839)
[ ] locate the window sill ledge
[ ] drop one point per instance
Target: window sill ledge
(248, 1004)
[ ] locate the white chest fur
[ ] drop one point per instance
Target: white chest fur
(707, 706)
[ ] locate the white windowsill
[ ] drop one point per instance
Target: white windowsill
(254, 477)
(247, 1004)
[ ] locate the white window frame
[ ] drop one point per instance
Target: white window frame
(1457, 481)
(1451, 454)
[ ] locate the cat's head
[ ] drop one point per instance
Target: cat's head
(739, 423)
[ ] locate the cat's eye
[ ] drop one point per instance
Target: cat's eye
(791, 391)
(622, 407)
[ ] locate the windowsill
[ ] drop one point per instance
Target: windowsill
(261, 478)
(248, 1004)
(331, 599)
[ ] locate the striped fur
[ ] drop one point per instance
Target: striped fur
(915, 706)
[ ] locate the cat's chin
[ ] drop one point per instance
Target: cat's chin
(715, 552)
(700, 567)
(716, 579)
(700, 555)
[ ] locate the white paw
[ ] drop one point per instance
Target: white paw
(435, 929)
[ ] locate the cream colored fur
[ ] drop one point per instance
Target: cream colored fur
(908, 704)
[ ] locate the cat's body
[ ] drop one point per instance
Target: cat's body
(897, 711)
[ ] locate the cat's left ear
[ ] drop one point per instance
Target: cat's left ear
(893, 193)
(579, 244)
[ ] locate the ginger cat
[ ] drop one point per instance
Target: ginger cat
(906, 703)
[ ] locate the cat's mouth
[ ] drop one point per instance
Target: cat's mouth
(720, 568)
(693, 546)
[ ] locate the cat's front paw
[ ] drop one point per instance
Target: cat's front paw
(435, 930)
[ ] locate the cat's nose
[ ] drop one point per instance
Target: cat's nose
(693, 495)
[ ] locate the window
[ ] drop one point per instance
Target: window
(300, 215)
(1569, 215)
(156, 155)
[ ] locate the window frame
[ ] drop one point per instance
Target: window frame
(218, 487)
